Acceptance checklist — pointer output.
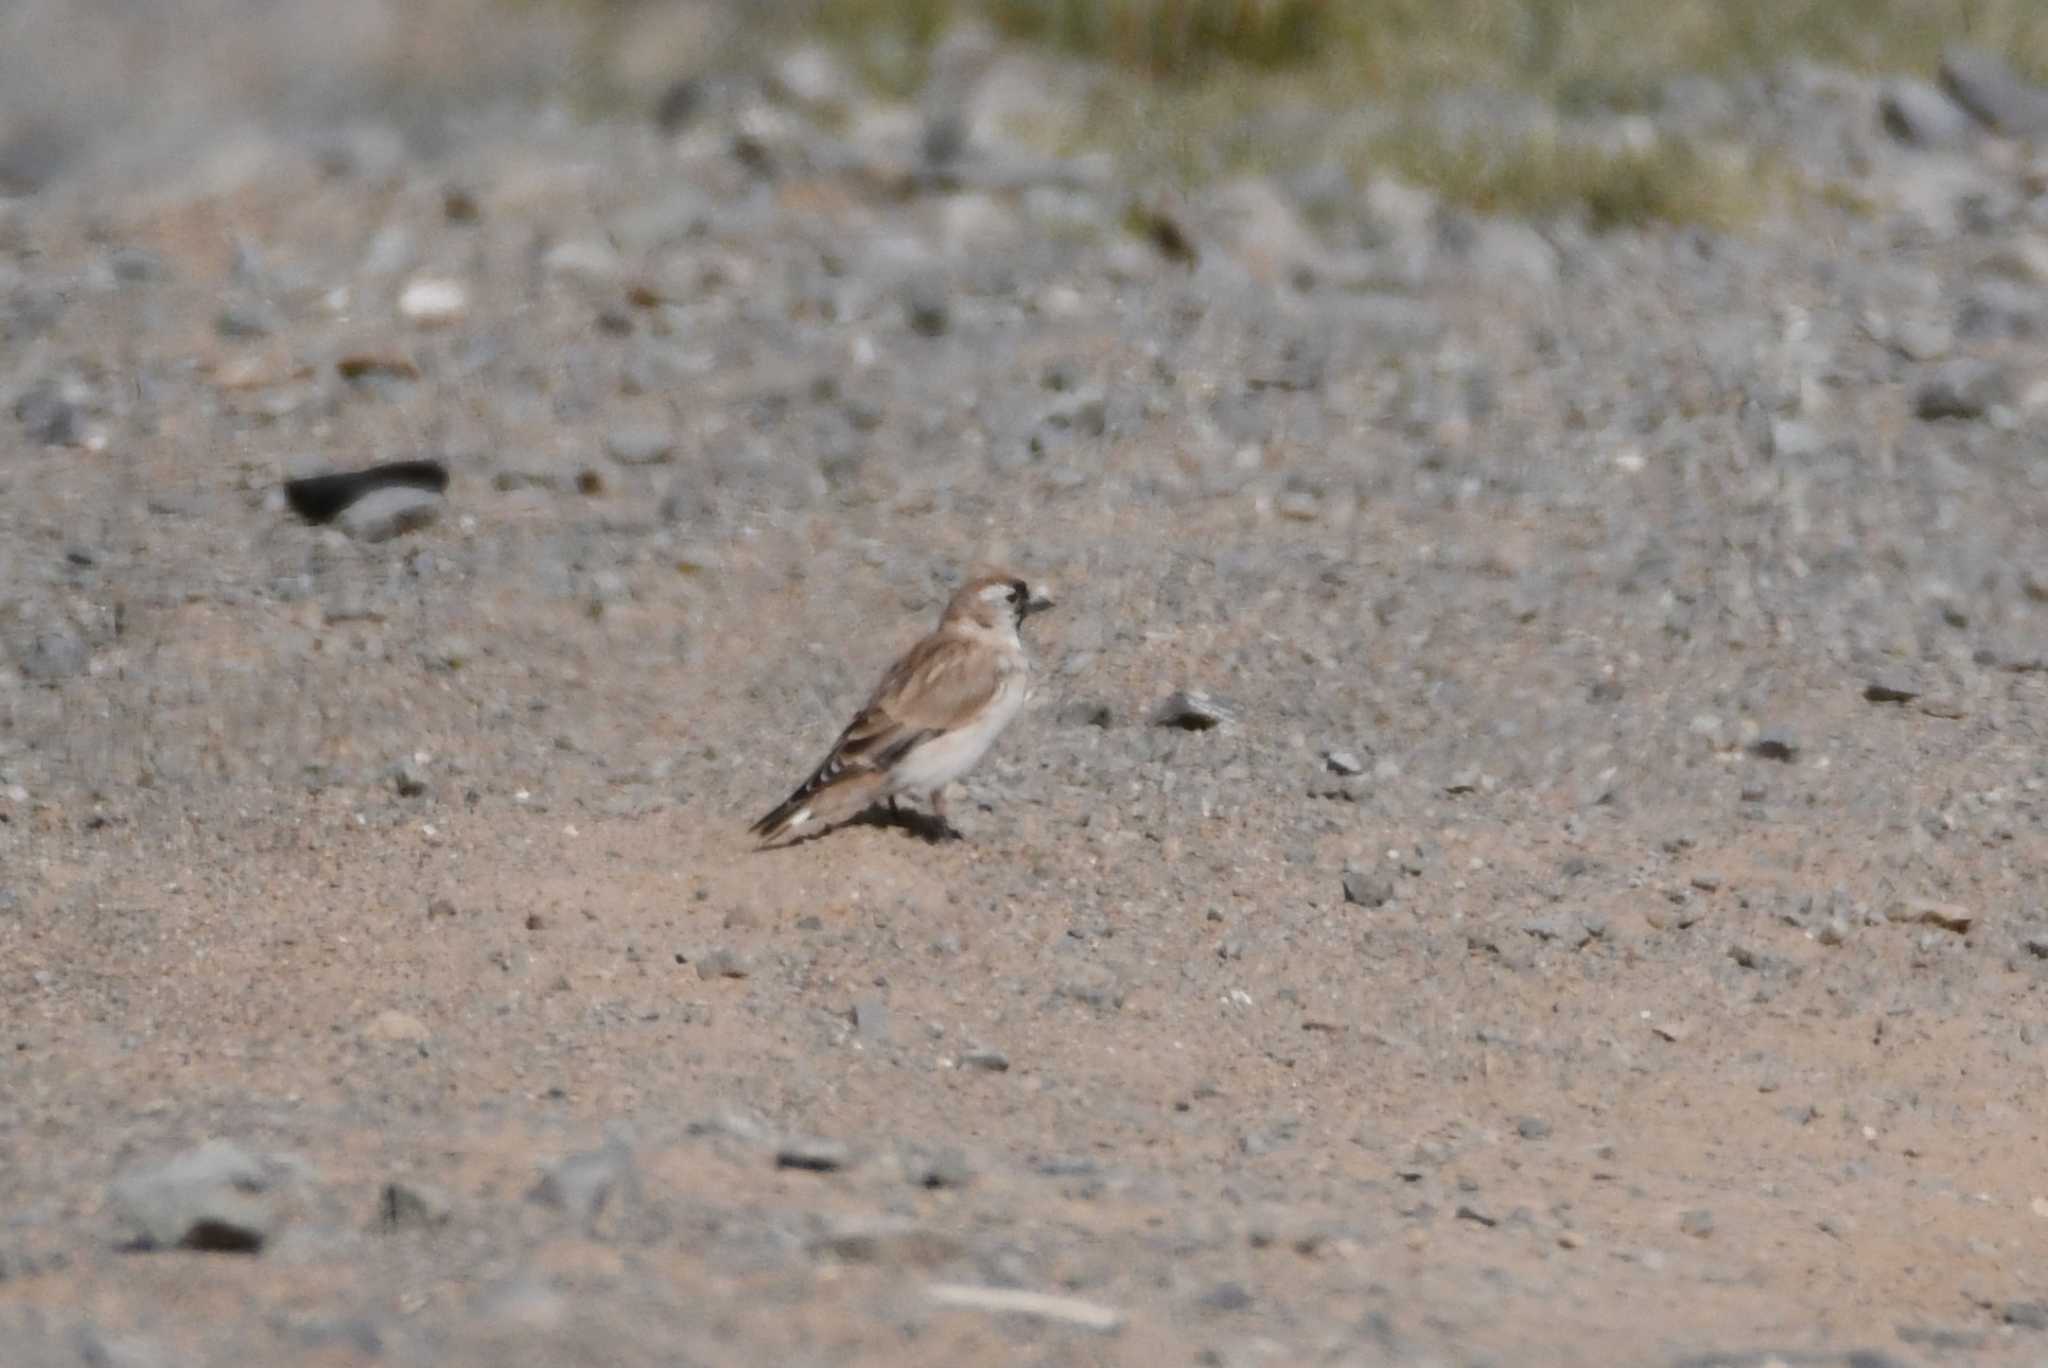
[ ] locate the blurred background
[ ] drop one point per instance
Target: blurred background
(1467, 97)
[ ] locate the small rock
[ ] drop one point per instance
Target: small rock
(1533, 1128)
(245, 320)
(1922, 339)
(871, 1020)
(723, 963)
(1343, 762)
(1013, 1301)
(390, 512)
(1094, 986)
(412, 1206)
(48, 418)
(1776, 744)
(1085, 713)
(1367, 888)
(640, 446)
(2037, 945)
(813, 1154)
(1191, 710)
(1923, 912)
(53, 656)
(925, 306)
(393, 1027)
(1227, 1296)
(2025, 1315)
(1966, 388)
(986, 1060)
(585, 260)
(1920, 115)
(1698, 1223)
(941, 1168)
(584, 1185)
(409, 779)
(211, 1198)
(1890, 691)
(1982, 83)
(433, 301)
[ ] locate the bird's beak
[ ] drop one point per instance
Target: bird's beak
(1038, 602)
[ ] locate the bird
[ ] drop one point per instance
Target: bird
(932, 717)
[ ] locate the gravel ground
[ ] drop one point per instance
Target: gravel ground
(1599, 920)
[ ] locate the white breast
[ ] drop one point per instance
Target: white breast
(943, 759)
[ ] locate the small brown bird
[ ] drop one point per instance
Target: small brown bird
(933, 716)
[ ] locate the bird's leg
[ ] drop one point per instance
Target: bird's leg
(938, 805)
(894, 811)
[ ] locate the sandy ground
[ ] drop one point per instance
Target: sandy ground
(1651, 993)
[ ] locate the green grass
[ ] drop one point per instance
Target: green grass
(1191, 83)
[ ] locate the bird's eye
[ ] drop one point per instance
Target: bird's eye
(1017, 591)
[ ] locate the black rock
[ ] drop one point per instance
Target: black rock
(318, 498)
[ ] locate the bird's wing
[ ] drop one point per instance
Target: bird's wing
(939, 684)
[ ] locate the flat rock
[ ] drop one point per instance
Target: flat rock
(1963, 388)
(1985, 85)
(215, 1197)
(1920, 115)
(393, 511)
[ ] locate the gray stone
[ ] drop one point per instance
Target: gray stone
(1191, 710)
(1776, 744)
(52, 656)
(640, 445)
(1343, 762)
(1698, 1223)
(939, 1168)
(216, 1197)
(871, 1020)
(1367, 889)
(1227, 1296)
(1920, 115)
(585, 1185)
(1982, 82)
(2026, 1315)
(925, 306)
(48, 417)
(1922, 339)
(390, 512)
(1533, 1128)
(412, 1206)
(723, 963)
(813, 1154)
(986, 1060)
(1967, 387)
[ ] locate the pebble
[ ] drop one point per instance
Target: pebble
(1367, 888)
(723, 963)
(986, 1060)
(945, 1168)
(813, 1154)
(433, 301)
(1227, 1296)
(1776, 744)
(640, 446)
(393, 1027)
(1533, 1128)
(584, 260)
(925, 306)
(1965, 388)
(1343, 762)
(1924, 912)
(2025, 1315)
(1982, 83)
(871, 1020)
(1698, 1223)
(215, 1198)
(1013, 1301)
(390, 512)
(1918, 114)
(412, 1206)
(586, 1184)
(1191, 710)
(53, 655)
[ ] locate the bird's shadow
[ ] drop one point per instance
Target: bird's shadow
(927, 827)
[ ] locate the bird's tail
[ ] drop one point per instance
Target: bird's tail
(824, 798)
